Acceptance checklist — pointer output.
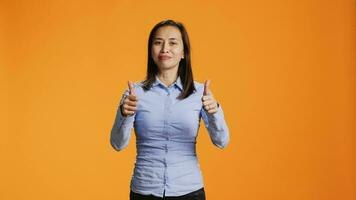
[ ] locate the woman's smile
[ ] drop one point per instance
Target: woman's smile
(163, 57)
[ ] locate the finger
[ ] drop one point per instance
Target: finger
(212, 111)
(206, 108)
(132, 97)
(206, 87)
(130, 103)
(131, 88)
(129, 112)
(212, 105)
(208, 102)
(129, 108)
(207, 97)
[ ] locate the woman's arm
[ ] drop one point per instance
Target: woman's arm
(216, 126)
(121, 130)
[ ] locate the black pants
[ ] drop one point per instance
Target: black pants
(196, 195)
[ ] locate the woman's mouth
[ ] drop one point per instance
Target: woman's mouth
(164, 57)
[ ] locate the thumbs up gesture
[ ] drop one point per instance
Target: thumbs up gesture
(129, 106)
(209, 102)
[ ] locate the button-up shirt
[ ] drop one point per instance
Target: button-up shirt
(166, 129)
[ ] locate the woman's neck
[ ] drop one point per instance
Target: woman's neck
(167, 77)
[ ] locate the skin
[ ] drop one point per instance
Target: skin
(168, 42)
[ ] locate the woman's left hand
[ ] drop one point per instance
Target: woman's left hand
(209, 103)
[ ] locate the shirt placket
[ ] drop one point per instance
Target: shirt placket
(167, 112)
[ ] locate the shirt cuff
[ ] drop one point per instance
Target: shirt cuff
(122, 119)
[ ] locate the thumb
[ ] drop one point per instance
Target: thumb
(206, 87)
(131, 88)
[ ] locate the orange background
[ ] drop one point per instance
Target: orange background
(283, 71)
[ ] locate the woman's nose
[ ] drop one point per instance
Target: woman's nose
(164, 48)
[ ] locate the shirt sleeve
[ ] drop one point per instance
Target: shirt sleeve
(217, 128)
(121, 130)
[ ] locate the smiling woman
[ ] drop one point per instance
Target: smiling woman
(166, 109)
(167, 49)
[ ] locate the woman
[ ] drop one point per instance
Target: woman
(165, 110)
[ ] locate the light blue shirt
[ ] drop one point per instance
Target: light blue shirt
(166, 129)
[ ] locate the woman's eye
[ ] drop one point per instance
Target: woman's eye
(157, 43)
(173, 43)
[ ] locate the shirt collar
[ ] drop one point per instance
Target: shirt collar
(178, 83)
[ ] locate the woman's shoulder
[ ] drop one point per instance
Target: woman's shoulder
(198, 85)
(138, 85)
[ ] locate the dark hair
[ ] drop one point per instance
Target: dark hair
(184, 70)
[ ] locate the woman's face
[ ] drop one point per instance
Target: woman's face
(167, 48)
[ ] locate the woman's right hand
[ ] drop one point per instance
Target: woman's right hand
(129, 106)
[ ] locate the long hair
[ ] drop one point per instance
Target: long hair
(184, 70)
